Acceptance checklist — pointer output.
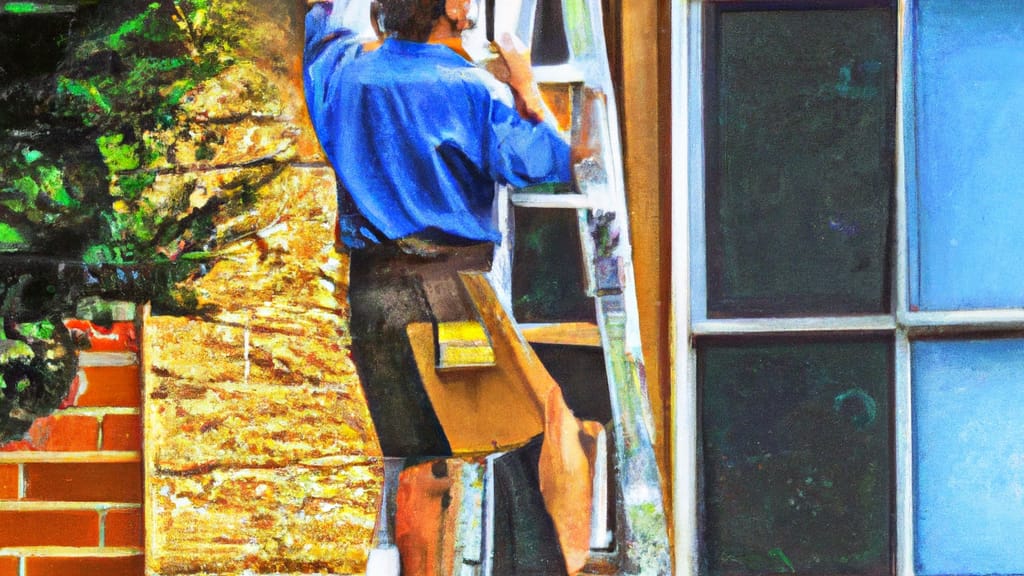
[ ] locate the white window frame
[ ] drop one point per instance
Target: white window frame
(689, 286)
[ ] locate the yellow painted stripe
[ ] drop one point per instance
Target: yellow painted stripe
(461, 332)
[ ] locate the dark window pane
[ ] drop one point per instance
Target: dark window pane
(580, 372)
(800, 137)
(969, 93)
(547, 267)
(550, 45)
(796, 456)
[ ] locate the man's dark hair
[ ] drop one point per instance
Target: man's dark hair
(410, 19)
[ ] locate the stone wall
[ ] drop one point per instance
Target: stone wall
(260, 455)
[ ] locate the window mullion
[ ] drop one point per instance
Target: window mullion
(903, 432)
(903, 408)
(689, 296)
(731, 326)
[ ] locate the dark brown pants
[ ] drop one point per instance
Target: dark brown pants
(389, 289)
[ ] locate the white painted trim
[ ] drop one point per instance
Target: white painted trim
(69, 552)
(903, 493)
(878, 323)
(529, 200)
(692, 59)
(963, 320)
(98, 411)
(901, 286)
(58, 506)
(684, 391)
(104, 457)
(88, 359)
(903, 431)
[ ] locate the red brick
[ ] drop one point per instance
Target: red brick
(122, 432)
(50, 528)
(8, 482)
(64, 433)
(8, 566)
(120, 337)
(86, 566)
(110, 386)
(123, 528)
(84, 482)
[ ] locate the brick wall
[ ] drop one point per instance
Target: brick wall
(71, 491)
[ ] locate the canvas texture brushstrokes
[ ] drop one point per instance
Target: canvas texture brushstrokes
(178, 392)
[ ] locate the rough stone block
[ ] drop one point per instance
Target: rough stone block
(299, 518)
(199, 426)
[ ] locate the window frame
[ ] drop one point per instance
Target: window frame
(689, 276)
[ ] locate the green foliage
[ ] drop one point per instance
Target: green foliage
(94, 189)
(117, 156)
(42, 330)
(135, 26)
(34, 197)
(9, 235)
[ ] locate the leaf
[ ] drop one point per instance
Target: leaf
(51, 180)
(86, 90)
(27, 186)
(98, 254)
(131, 27)
(31, 155)
(10, 235)
(118, 157)
(42, 330)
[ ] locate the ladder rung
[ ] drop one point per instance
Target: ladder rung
(566, 333)
(528, 200)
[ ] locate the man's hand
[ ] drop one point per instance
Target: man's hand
(514, 69)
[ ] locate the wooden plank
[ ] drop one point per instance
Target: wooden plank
(483, 409)
(565, 333)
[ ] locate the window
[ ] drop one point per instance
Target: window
(849, 294)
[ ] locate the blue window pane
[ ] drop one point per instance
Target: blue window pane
(969, 97)
(969, 457)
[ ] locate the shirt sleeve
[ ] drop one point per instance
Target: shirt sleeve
(331, 43)
(522, 152)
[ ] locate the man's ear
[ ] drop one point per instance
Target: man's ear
(455, 9)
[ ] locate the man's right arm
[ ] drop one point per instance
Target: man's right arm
(332, 41)
(518, 74)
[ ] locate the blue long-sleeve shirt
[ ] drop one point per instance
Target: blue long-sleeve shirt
(417, 135)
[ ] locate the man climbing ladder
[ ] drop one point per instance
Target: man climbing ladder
(418, 137)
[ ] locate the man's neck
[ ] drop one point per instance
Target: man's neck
(444, 30)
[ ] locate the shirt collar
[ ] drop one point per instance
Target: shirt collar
(448, 49)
